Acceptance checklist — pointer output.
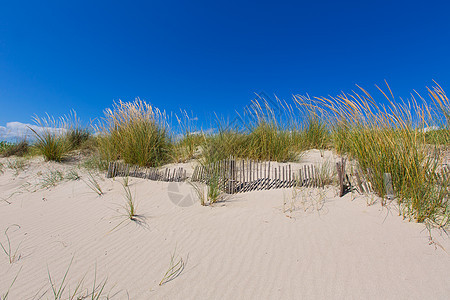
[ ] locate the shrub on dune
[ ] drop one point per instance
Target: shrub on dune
(51, 141)
(137, 133)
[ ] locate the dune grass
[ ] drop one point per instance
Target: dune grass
(51, 178)
(136, 133)
(6, 295)
(17, 164)
(391, 139)
(130, 206)
(57, 137)
(4, 146)
(11, 252)
(176, 267)
(62, 290)
(93, 184)
(404, 138)
(18, 149)
(51, 141)
(189, 138)
(95, 163)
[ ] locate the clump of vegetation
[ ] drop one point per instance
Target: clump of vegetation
(222, 145)
(390, 140)
(76, 134)
(130, 207)
(4, 146)
(51, 141)
(19, 149)
(137, 133)
(176, 267)
(56, 138)
(189, 141)
(268, 138)
(17, 164)
(199, 191)
(95, 162)
(315, 134)
(72, 174)
(51, 178)
(61, 291)
(93, 184)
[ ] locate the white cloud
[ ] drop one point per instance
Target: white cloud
(431, 128)
(17, 131)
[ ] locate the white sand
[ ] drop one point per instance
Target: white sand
(249, 247)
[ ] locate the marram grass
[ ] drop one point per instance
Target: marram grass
(136, 133)
(391, 139)
(405, 138)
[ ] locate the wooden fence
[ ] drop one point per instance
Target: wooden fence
(238, 176)
(168, 174)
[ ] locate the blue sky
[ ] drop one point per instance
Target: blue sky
(211, 56)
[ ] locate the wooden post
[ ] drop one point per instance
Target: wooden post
(358, 182)
(341, 175)
(388, 188)
(233, 175)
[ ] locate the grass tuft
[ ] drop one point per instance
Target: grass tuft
(391, 139)
(59, 291)
(137, 133)
(5, 295)
(19, 149)
(52, 178)
(176, 267)
(12, 254)
(17, 165)
(130, 207)
(51, 141)
(93, 184)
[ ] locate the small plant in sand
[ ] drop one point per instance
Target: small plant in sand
(95, 162)
(93, 184)
(209, 194)
(11, 252)
(5, 295)
(130, 206)
(176, 266)
(97, 289)
(17, 164)
(72, 174)
(2, 166)
(199, 191)
(214, 192)
(289, 204)
(371, 199)
(58, 291)
(327, 173)
(310, 199)
(126, 181)
(52, 178)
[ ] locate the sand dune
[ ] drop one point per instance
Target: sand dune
(259, 245)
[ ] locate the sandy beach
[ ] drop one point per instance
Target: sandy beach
(278, 244)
